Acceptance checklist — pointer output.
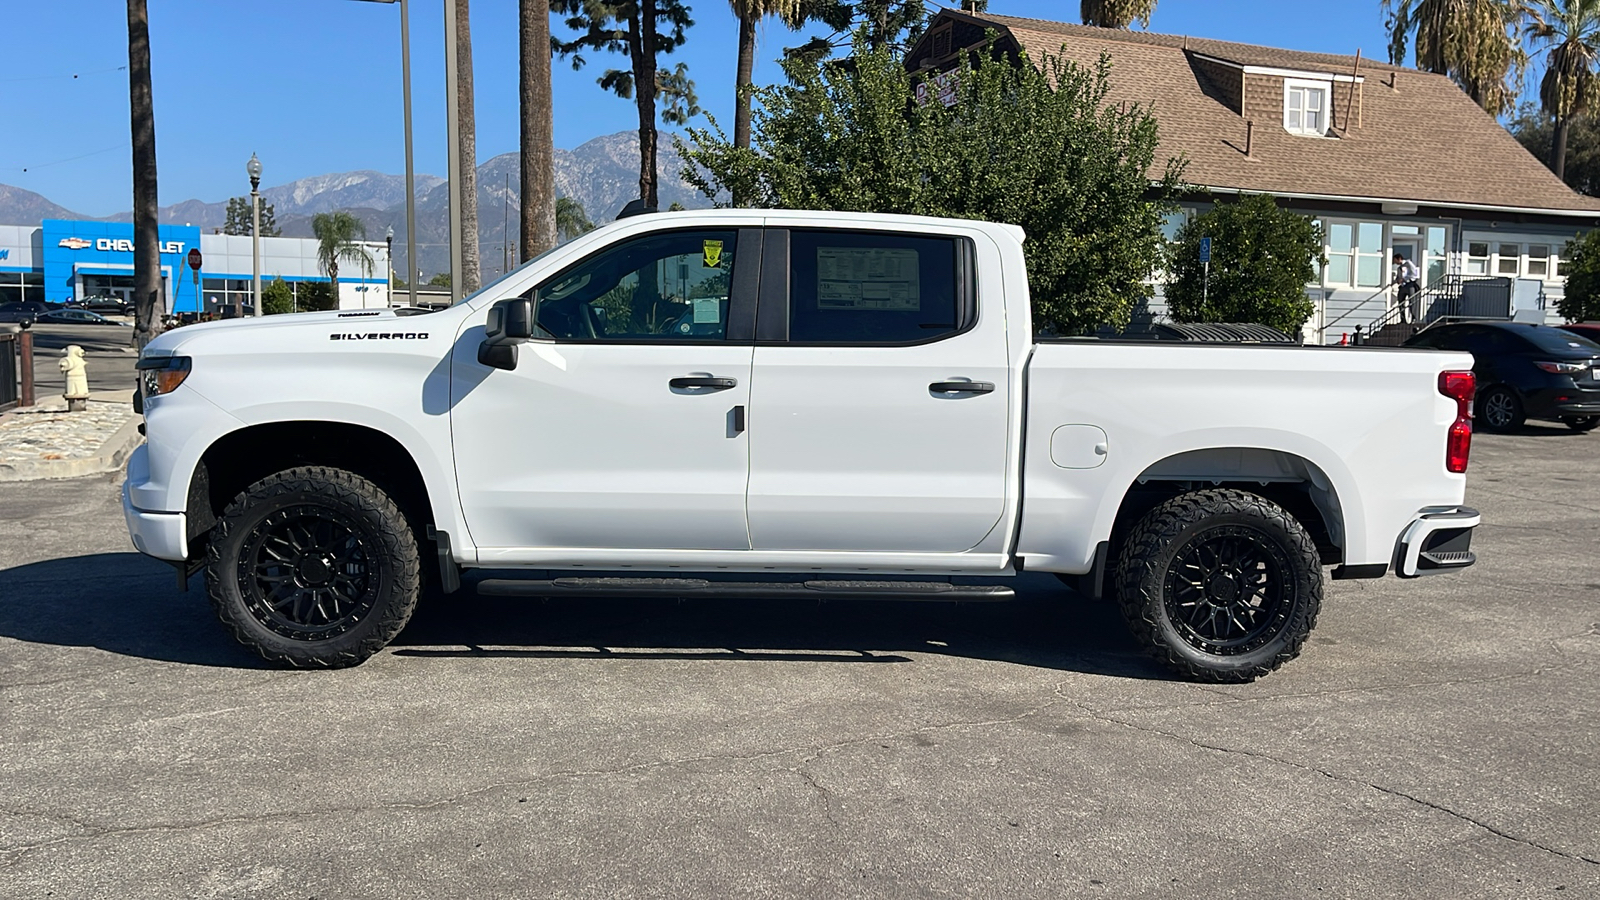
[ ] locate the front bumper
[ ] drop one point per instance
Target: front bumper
(157, 534)
(1437, 541)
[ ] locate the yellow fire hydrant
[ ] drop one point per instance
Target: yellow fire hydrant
(73, 366)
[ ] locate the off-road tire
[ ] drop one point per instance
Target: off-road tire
(376, 536)
(1581, 424)
(1154, 588)
(1499, 410)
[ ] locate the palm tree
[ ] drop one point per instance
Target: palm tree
(146, 243)
(1473, 41)
(1571, 84)
(338, 237)
(539, 209)
(1117, 13)
(571, 219)
(469, 150)
(750, 13)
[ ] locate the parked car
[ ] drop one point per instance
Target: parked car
(1590, 330)
(25, 310)
(75, 317)
(1525, 371)
(105, 304)
(802, 393)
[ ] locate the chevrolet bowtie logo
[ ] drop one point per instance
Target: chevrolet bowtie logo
(75, 243)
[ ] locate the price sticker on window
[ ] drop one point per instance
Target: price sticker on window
(713, 254)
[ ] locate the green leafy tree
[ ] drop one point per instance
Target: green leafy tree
(1475, 42)
(1036, 145)
(1262, 258)
(277, 298)
(893, 25)
(643, 30)
(1535, 131)
(440, 280)
(571, 219)
(1117, 13)
(1581, 302)
(1570, 29)
(238, 218)
(313, 296)
(339, 237)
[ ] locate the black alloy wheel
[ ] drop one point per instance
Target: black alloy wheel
(1499, 409)
(1226, 590)
(1220, 585)
(313, 567)
(1582, 423)
(306, 573)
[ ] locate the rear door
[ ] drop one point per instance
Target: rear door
(880, 397)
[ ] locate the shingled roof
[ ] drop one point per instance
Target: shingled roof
(1401, 135)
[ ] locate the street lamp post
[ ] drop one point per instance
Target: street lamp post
(254, 168)
(411, 180)
(388, 238)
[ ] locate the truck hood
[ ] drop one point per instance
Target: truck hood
(229, 331)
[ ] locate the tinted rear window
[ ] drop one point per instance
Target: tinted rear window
(871, 288)
(1558, 342)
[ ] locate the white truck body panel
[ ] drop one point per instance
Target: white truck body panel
(581, 458)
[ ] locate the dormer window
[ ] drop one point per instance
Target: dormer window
(1305, 108)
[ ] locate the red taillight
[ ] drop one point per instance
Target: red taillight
(1460, 387)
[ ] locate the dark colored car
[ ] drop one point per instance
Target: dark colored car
(25, 310)
(105, 304)
(73, 317)
(1525, 371)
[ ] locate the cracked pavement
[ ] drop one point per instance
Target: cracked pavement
(1437, 738)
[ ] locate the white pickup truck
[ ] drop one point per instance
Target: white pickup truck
(764, 403)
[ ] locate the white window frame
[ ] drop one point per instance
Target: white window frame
(1291, 86)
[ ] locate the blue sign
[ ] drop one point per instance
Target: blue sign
(1205, 249)
(5, 254)
(72, 249)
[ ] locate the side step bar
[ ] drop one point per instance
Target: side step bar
(752, 590)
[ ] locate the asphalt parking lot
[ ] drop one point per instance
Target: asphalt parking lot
(1438, 738)
(106, 349)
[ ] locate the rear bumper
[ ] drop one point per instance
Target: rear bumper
(157, 534)
(1548, 403)
(1438, 541)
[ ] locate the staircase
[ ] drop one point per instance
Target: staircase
(1451, 297)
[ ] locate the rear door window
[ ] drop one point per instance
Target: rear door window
(861, 287)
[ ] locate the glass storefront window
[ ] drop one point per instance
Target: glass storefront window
(1369, 271)
(1338, 270)
(1371, 237)
(1340, 237)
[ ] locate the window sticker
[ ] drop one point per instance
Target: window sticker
(868, 279)
(713, 254)
(707, 311)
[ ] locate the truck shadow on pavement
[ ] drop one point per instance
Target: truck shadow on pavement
(127, 604)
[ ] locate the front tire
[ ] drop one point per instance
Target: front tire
(1581, 424)
(1220, 585)
(313, 567)
(1499, 409)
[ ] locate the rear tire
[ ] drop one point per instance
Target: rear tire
(313, 567)
(1220, 585)
(1581, 424)
(1500, 410)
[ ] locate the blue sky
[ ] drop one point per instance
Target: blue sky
(313, 86)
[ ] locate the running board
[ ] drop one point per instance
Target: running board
(751, 590)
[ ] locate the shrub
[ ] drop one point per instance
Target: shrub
(1262, 258)
(1581, 303)
(277, 298)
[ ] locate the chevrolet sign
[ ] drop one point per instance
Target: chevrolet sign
(74, 243)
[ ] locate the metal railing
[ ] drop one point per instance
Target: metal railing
(16, 367)
(1381, 292)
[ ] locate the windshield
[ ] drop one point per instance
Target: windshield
(1555, 340)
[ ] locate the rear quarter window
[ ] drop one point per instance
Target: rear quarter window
(855, 287)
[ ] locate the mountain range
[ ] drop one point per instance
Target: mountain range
(601, 174)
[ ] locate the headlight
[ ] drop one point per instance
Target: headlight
(161, 374)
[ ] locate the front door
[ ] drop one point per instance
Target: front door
(881, 400)
(622, 426)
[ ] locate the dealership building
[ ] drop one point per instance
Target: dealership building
(60, 260)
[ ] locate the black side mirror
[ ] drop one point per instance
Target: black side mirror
(510, 323)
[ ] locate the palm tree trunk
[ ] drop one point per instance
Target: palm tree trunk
(1558, 155)
(469, 150)
(742, 82)
(146, 242)
(643, 48)
(333, 280)
(538, 132)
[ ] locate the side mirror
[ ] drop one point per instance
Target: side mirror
(510, 323)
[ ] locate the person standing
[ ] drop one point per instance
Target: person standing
(1407, 276)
